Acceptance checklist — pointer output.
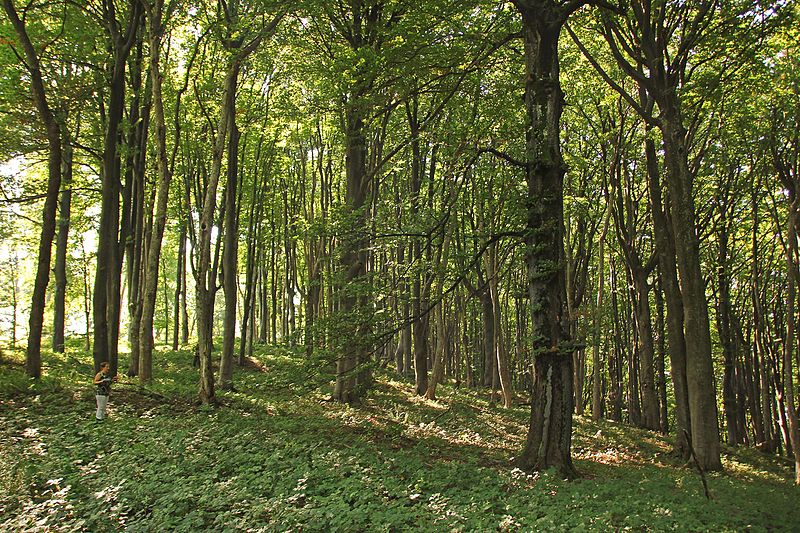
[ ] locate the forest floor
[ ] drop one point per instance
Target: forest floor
(278, 456)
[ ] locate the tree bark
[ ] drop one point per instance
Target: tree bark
(33, 356)
(665, 248)
(597, 385)
(180, 272)
(789, 346)
(230, 258)
(354, 345)
(699, 367)
(155, 18)
(205, 283)
(646, 351)
(106, 288)
(549, 439)
(60, 270)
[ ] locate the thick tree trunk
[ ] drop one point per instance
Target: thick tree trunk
(549, 437)
(33, 357)
(354, 344)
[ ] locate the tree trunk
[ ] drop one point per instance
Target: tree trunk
(549, 439)
(230, 258)
(489, 356)
(354, 342)
(154, 15)
(661, 373)
(499, 355)
(418, 294)
(179, 287)
(724, 318)
(60, 271)
(106, 288)
(761, 411)
(33, 356)
(205, 283)
(617, 354)
(789, 345)
(646, 352)
(136, 246)
(597, 386)
(699, 368)
(441, 338)
(665, 248)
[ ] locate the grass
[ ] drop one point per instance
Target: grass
(278, 456)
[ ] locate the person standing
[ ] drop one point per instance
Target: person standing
(102, 381)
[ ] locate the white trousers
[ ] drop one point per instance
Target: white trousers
(102, 402)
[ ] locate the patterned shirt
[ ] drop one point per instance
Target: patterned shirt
(104, 387)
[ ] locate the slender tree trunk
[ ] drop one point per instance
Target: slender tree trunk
(442, 337)
(699, 368)
(646, 352)
(87, 299)
(420, 323)
(106, 288)
(59, 296)
(14, 273)
(487, 320)
(789, 346)
(661, 373)
(597, 385)
(136, 246)
(33, 357)
(499, 355)
(206, 281)
(179, 283)
(762, 418)
(729, 401)
(633, 390)
(230, 259)
(155, 19)
(184, 306)
(616, 355)
(665, 248)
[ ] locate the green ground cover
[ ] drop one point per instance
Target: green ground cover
(278, 456)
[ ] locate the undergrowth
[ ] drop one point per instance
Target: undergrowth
(277, 456)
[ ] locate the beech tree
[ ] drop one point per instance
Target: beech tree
(33, 358)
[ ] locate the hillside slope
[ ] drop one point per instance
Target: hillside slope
(278, 456)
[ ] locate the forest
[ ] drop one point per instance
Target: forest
(385, 265)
